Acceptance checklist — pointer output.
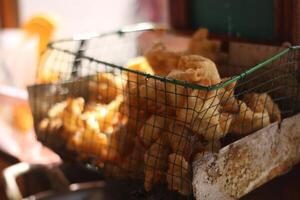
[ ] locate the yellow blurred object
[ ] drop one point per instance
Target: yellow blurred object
(45, 76)
(43, 26)
(139, 64)
(22, 117)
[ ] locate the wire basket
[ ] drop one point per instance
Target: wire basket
(135, 125)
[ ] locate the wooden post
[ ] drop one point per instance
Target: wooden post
(9, 14)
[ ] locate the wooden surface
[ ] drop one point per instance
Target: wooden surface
(286, 187)
(248, 163)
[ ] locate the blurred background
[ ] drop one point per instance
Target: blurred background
(26, 26)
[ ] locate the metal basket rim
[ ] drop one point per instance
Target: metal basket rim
(151, 27)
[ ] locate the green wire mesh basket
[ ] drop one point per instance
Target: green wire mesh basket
(137, 126)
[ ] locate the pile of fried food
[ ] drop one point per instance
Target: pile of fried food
(141, 126)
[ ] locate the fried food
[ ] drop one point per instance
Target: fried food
(71, 114)
(89, 140)
(178, 174)
(140, 125)
(201, 114)
(106, 114)
(120, 143)
(225, 121)
(206, 70)
(139, 64)
(50, 126)
(53, 123)
(201, 45)
(162, 60)
(199, 104)
(213, 129)
(153, 94)
(57, 110)
(156, 163)
(131, 165)
(179, 138)
(228, 101)
(105, 87)
(247, 121)
(152, 129)
(261, 102)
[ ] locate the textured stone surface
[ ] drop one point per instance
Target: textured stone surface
(248, 163)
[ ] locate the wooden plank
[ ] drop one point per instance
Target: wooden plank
(247, 54)
(296, 22)
(248, 163)
(9, 14)
(179, 14)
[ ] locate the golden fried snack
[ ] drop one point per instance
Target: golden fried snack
(225, 121)
(131, 165)
(134, 80)
(212, 128)
(260, 102)
(121, 142)
(159, 95)
(139, 64)
(178, 175)
(89, 141)
(247, 121)
(177, 94)
(227, 100)
(57, 110)
(152, 128)
(72, 113)
(53, 122)
(136, 118)
(201, 104)
(179, 138)
(105, 87)
(201, 45)
(197, 102)
(134, 162)
(153, 94)
(156, 163)
(50, 126)
(206, 70)
(201, 114)
(191, 75)
(162, 60)
(106, 114)
(134, 108)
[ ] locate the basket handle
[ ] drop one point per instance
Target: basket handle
(57, 179)
(143, 27)
(77, 61)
